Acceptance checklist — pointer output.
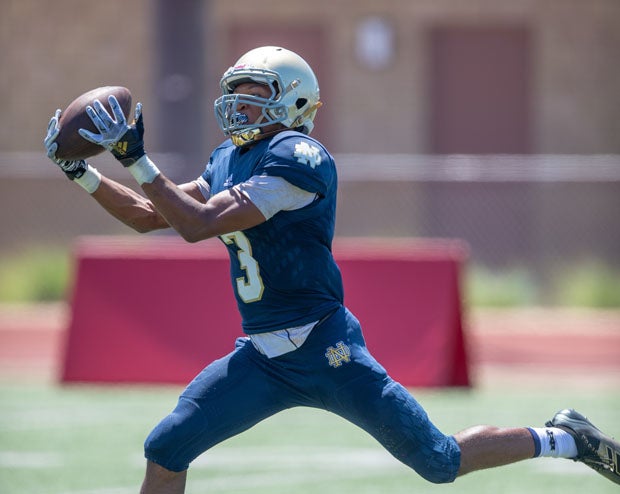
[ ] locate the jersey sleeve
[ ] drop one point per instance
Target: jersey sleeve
(299, 160)
(218, 154)
(203, 186)
(206, 175)
(271, 194)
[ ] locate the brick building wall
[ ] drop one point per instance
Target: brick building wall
(50, 52)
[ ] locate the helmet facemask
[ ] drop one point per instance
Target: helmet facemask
(235, 123)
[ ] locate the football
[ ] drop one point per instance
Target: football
(71, 145)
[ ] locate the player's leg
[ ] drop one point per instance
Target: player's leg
(568, 435)
(159, 480)
(487, 446)
(229, 396)
(356, 387)
(387, 411)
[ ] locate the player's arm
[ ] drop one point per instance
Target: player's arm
(181, 207)
(133, 209)
(227, 211)
(190, 214)
(125, 204)
(245, 205)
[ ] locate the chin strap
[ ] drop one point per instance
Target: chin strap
(244, 138)
(241, 139)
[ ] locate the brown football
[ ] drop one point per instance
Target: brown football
(71, 145)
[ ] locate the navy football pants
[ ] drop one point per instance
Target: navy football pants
(239, 390)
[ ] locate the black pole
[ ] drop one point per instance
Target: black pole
(180, 85)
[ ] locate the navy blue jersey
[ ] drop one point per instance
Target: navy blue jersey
(283, 273)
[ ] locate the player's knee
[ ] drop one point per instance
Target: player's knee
(171, 444)
(436, 476)
(439, 463)
(156, 445)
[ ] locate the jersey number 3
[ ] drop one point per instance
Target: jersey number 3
(249, 287)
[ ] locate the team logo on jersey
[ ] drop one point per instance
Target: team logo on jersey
(339, 355)
(307, 154)
(228, 182)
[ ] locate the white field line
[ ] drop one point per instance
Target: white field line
(43, 419)
(236, 469)
(277, 457)
(30, 459)
(108, 490)
(367, 461)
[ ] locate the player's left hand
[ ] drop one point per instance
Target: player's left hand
(125, 142)
(73, 169)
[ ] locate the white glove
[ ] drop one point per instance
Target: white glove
(111, 128)
(72, 168)
(78, 170)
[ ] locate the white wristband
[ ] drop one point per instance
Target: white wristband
(90, 180)
(144, 170)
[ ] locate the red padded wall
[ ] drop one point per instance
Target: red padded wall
(157, 310)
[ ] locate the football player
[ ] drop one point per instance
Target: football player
(269, 194)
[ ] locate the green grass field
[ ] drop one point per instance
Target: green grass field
(88, 440)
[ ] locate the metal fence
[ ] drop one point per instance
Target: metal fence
(540, 211)
(512, 210)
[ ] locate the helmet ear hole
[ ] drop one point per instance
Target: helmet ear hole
(300, 103)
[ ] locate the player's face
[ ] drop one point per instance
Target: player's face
(254, 113)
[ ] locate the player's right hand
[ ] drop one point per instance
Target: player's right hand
(73, 169)
(124, 141)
